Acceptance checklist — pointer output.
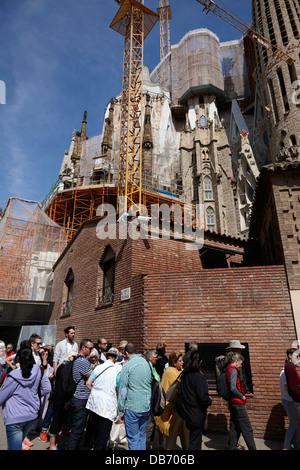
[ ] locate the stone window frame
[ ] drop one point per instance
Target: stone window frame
(68, 293)
(209, 352)
(106, 278)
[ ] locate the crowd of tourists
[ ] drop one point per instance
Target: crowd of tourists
(110, 396)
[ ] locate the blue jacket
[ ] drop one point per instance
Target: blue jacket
(19, 397)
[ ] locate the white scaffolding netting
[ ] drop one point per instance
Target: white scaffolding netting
(194, 61)
(200, 59)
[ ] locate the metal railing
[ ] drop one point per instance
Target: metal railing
(67, 307)
(105, 295)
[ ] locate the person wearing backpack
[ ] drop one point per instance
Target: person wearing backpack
(59, 402)
(77, 405)
(239, 420)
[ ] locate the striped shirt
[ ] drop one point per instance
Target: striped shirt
(81, 368)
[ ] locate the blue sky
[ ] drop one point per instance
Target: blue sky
(59, 58)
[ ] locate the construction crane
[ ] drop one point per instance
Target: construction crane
(164, 13)
(134, 21)
(210, 5)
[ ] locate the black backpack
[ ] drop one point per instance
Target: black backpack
(158, 396)
(67, 384)
(222, 385)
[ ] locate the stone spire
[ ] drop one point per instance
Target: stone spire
(77, 150)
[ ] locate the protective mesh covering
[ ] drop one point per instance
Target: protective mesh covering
(200, 59)
(234, 68)
(195, 61)
(30, 243)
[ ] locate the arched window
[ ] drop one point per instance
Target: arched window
(107, 265)
(69, 290)
(274, 102)
(203, 120)
(210, 219)
(207, 188)
(283, 89)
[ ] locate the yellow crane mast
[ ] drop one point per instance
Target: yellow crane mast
(134, 21)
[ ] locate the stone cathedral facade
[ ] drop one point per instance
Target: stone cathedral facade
(214, 114)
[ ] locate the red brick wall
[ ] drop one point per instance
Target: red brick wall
(122, 320)
(175, 300)
(249, 304)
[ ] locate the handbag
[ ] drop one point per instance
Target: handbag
(118, 434)
(172, 391)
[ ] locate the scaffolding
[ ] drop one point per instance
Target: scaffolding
(134, 21)
(71, 207)
(30, 243)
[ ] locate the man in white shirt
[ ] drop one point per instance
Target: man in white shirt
(64, 347)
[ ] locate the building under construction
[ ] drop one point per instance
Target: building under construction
(185, 134)
(199, 124)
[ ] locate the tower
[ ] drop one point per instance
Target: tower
(279, 22)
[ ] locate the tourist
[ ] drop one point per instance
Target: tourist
(20, 398)
(102, 401)
(170, 423)
(134, 398)
(64, 347)
(292, 433)
(193, 400)
(239, 420)
(77, 405)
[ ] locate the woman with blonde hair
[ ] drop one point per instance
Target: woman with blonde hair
(93, 358)
(170, 423)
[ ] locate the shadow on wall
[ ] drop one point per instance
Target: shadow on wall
(275, 428)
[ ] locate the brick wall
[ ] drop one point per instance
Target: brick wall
(250, 304)
(122, 320)
(173, 299)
